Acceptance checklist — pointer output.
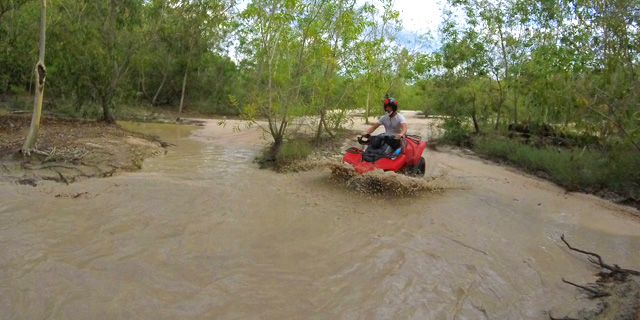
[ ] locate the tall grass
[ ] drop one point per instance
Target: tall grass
(617, 169)
(291, 151)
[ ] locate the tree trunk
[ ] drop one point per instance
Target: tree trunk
(107, 117)
(155, 97)
(323, 112)
(108, 93)
(515, 106)
(275, 148)
(504, 54)
(497, 126)
(153, 100)
(320, 124)
(527, 104)
(40, 74)
(327, 129)
(473, 116)
(506, 75)
(366, 120)
(328, 75)
(184, 85)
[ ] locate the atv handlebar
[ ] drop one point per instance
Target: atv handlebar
(365, 139)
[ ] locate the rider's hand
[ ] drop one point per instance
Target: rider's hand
(398, 136)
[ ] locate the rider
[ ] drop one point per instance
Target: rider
(393, 122)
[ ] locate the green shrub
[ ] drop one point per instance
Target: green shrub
(456, 132)
(294, 150)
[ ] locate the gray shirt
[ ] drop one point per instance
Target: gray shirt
(392, 125)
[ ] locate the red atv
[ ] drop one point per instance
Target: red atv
(385, 152)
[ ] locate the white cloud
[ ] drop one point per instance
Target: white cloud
(419, 16)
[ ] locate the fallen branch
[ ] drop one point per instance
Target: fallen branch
(614, 269)
(467, 246)
(82, 155)
(582, 251)
(565, 318)
(51, 165)
(20, 111)
(42, 153)
(596, 293)
(62, 177)
(51, 154)
(104, 152)
(166, 144)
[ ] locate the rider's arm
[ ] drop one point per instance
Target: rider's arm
(404, 129)
(373, 128)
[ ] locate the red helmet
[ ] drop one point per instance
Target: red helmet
(391, 102)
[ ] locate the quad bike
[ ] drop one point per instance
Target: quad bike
(387, 153)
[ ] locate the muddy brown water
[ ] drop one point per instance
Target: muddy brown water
(201, 233)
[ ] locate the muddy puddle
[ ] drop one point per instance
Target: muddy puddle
(201, 233)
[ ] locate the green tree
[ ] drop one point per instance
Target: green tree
(17, 35)
(267, 36)
(377, 48)
(344, 24)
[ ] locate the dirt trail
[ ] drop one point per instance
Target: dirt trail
(202, 233)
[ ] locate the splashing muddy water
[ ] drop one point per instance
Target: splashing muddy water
(202, 233)
(386, 183)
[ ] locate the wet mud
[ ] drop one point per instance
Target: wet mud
(201, 232)
(69, 150)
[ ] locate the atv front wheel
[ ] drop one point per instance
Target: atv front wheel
(421, 167)
(417, 170)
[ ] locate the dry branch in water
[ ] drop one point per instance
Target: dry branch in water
(615, 269)
(595, 292)
(565, 318)
(615, 274)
